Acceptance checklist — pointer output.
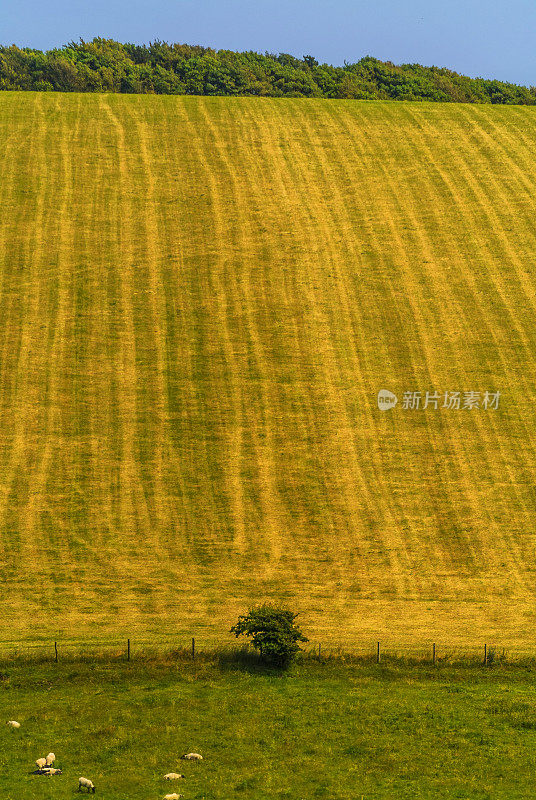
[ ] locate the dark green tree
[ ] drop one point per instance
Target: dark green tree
(273, 633)
(103, 65)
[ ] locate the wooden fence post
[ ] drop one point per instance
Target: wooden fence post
(433, 657)
(56, 652)
(319, 647)
(378, 653)
(128, 649)
(193, 649)
(485, 654)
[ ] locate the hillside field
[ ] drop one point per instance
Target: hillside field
(200, 301)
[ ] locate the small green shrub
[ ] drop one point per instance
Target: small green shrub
(273, 633)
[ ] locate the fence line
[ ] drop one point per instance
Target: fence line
(380, 651)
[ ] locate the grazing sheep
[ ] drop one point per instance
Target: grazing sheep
(13, 724)
(172, 776)
(87, 784)
(192, 757)
(41, 763)
(173, 796)
(50, 759)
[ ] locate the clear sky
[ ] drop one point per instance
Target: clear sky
(487, 38)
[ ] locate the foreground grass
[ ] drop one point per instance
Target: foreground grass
(333, 730)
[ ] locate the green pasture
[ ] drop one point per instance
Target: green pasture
(325, 730)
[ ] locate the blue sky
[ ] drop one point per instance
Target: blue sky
(475, 37)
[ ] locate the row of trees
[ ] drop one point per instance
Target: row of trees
(104, 65)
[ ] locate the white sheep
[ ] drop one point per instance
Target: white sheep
(13, 724)
(41, 763)
(52, 771)
(172, 776)
(192, 757)
(87, 784)
(173, 796)
(50, 759)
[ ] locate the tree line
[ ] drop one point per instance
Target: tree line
(104, 65)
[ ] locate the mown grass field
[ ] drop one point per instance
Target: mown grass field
(201, 298)
(331, 731)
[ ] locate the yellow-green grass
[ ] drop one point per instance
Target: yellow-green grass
(200, 300)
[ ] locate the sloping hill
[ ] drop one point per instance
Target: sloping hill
(201, 299)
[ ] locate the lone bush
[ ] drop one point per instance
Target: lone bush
(273, 633)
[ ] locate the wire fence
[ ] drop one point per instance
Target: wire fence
(181, 647)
